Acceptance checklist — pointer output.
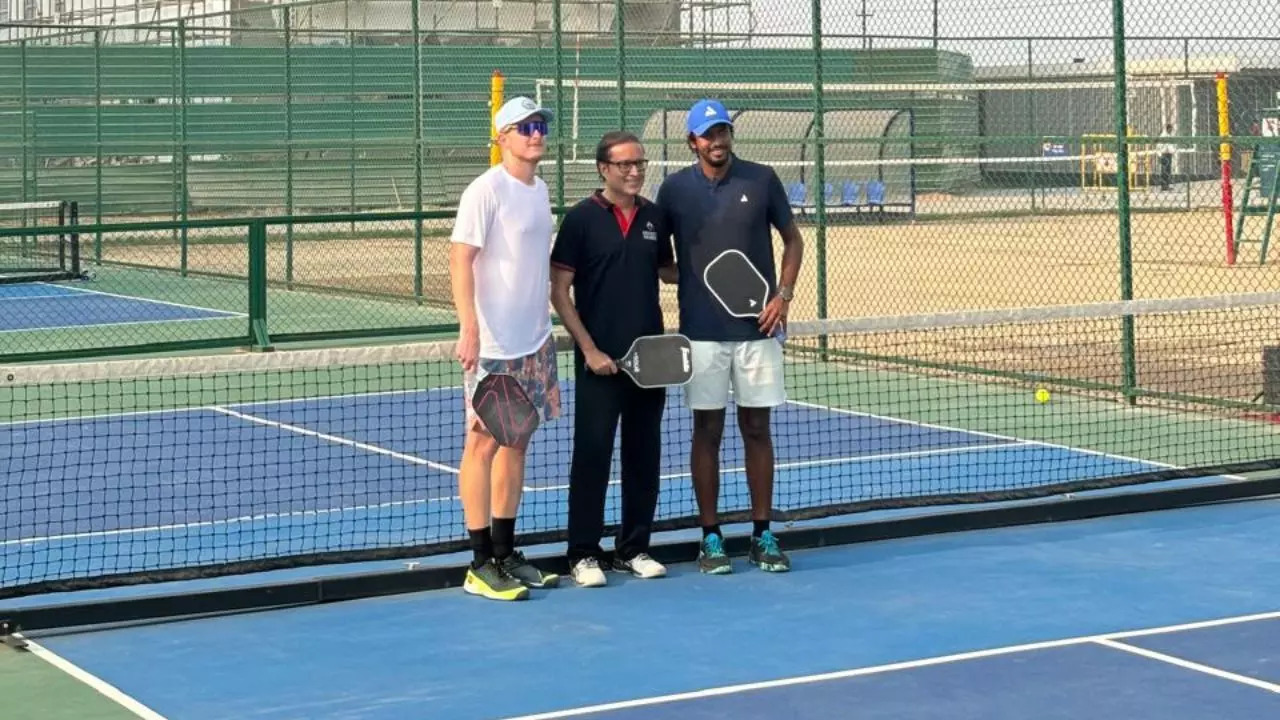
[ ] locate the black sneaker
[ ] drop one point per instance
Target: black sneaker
(521, 569)
(642, 566)
(712, 558)
(766, 553)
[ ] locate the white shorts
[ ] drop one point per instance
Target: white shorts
(753, 369)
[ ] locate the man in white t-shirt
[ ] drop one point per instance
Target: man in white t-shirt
(500, 270)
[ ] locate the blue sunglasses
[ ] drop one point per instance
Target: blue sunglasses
(528, 127)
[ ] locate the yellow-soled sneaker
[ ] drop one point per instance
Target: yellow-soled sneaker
(491, 581)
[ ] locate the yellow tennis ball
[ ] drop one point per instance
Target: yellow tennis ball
(1042, 395)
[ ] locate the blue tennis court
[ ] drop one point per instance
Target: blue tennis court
(149, 490)
(1166, 615)
(44, 306)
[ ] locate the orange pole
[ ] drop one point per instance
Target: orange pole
(1224, 153)
(496, 86)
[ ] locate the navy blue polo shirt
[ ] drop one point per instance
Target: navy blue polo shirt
(708, 217)
(615, 261)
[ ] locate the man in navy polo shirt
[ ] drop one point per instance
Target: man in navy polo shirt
(611, 251)
(720, 203)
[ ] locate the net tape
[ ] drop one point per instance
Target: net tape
(400, 353)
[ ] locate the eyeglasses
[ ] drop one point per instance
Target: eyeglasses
(627, 166)
(528, 127)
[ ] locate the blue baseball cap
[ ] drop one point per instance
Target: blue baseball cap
(706, 114)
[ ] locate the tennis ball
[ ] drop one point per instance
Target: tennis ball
(1042, 395)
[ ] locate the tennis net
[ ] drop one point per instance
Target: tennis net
(153, 469)
(39, 257)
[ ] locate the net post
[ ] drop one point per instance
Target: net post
(259, 339)
(73, 237)
(352, 100)
(497, 87)
(557, 38)
(97, 145)
(1128, 361)
(184, 90)
(62, 234)
(288, 145)
(1031, 114)
(416, 16)
(620, 42)
(820, 175)
(23, 110)
(1224, 154)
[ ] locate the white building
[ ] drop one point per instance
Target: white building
(588, 21)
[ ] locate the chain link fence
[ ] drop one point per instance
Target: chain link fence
(941, 155)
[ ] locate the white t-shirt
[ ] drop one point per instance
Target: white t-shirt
(512, 225)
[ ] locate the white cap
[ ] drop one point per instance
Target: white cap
(517, 109)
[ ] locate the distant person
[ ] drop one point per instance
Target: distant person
(501, 291)
(720, 203)
(1167, 150)
(611, 252)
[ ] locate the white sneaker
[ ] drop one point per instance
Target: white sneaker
(642, 566)
(587, 573)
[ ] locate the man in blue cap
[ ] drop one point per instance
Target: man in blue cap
(720, 203)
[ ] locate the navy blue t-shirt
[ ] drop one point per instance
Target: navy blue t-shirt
(708, 217)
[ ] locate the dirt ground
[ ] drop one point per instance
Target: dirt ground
(898, 267)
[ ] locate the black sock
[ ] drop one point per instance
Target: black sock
(481, 546)
(711, 530)
(504, 537)
(758, 527)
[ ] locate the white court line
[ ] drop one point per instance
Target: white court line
(849, 459)
(83, 326)
(143, 300)
(246, 519)
(1189, 665)
(1011, 438)
(197, 408)
(337, 440)
(891, 667)
(103, 688)
(422, 501)
(33, 297)
(1163, 413)
(1010, 441)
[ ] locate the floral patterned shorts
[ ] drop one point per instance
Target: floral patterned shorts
(536, 373)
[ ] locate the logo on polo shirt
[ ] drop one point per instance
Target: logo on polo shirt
(649, 233)
(744, 197)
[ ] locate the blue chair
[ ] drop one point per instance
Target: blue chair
(875, 197)
(875, 193)
(796, 194)
(849, 192)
